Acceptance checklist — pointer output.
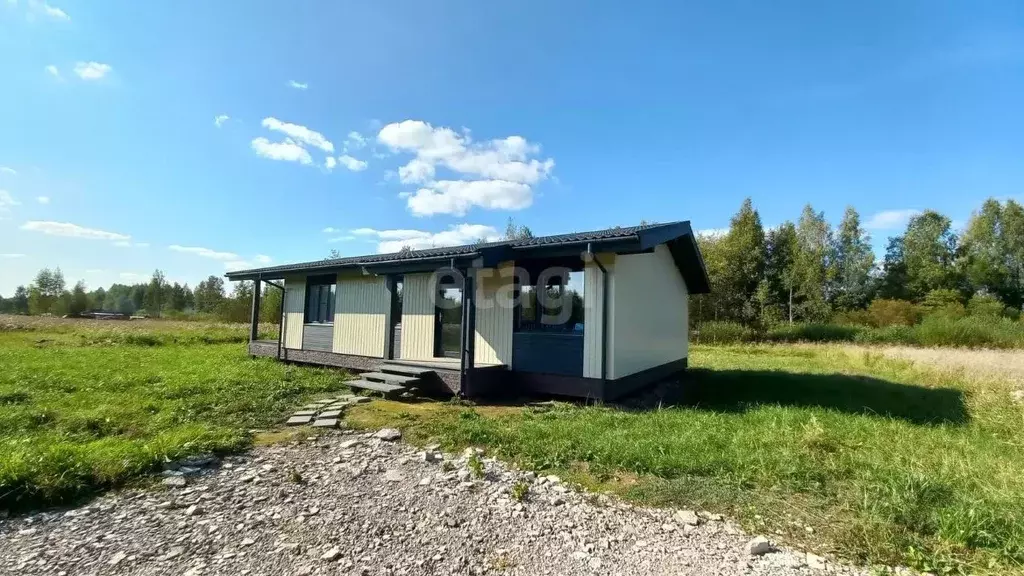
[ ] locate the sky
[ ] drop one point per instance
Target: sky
(199, 137)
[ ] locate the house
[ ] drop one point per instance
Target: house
(586, 314)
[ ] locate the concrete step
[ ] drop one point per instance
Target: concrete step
(382, 387)
(403, 370)
(391, 378)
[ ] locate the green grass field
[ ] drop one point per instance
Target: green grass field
(86, 405)
(838, 449)
(845, 451)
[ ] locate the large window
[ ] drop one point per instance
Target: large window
(320, 299)
(555, 304)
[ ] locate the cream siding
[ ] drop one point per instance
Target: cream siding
(649, 313)
(418, 317)
(294, 311)
(493, 337)
(593, 313)
(360, 309)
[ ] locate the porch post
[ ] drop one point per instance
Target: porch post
(467, 332)
(254, 327)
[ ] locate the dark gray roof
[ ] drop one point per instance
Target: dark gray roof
(618, 239)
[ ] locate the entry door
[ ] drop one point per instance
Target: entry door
(396, 318)
(448, 321)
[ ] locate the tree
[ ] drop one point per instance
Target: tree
(45, 291)
(928, 251)
(742, 264)
(270, 305)
(515, 231)
(813, 260)
(96, 299)
(852, 264)
(209, 294)
(19, 302)
(154, 298)
(992, 251)
(776, 291)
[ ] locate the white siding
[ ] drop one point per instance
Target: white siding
(418, 317)
(493, 338)
(361, 304)
(294, 311)
(593, 312)
(649, 313)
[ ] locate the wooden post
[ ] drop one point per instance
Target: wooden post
(254, 328)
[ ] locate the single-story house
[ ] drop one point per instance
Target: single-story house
(586, 314)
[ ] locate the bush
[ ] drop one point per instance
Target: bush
(940, 330)
(986, 305)
(888, 335)
(853, 318)
(811, 333)
(884, 312)
(941, 298)
(722, 333)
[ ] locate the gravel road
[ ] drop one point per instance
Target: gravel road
(346, 503)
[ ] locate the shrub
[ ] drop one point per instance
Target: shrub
(853, 318)
(888, 335)
(807, 332)
(941, 298)
(722, 333)
(884, 312)
(986, 305)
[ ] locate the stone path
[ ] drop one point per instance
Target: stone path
(367, 504)
(324, 413)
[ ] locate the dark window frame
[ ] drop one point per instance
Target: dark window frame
(520, 324)
(321, 293)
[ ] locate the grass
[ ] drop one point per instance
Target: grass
(840, 449)
(88, 405)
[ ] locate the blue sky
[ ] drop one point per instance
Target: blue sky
(194, 137)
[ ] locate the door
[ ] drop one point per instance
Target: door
(448, 321)
(396, 318)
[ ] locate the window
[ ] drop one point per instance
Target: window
(320, 299)
(557, 306)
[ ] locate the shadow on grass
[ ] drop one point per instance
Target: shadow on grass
(740, 390)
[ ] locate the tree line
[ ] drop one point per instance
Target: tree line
(48, 294)
(808, 271)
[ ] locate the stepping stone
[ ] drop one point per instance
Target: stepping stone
(323, 402)
(299, 420)
(305, 413)
(335, 406)
(329, 414)
(326, 423)
(360, 399)
(310, 407)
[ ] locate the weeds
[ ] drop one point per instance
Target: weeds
(519, 490)
(475, 465)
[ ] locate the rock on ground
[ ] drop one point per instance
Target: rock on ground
(332, 506)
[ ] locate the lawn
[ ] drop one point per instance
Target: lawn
(86, 405)
(843, 450)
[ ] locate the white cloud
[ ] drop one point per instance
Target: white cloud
(890, 219)
(123, 244)
(355, 141)
(263, 259)
(330, 230)
(298, 85)
(299, 134)
(7, 201)
(287, 151)
(142, 244)
(352, 163)
(54, 71)
(341, 239)
(92, 70)
(42, 8)
(330, 163)
(416, 171)
(507, 168)
(458, 196)
(205, 252)
(713, 232)
(219, 120)
(133, 276)
(395, 240)
(43, 199)
(8, 170)
(12, 256)
(72, 231)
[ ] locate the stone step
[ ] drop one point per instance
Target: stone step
(403, 370)
(391, 378)
(382, 387)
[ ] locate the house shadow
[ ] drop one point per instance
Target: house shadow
(742, 390)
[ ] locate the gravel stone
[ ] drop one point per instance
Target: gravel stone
(250, 519)
(758, 546)
(389, 434)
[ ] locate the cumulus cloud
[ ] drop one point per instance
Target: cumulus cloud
(890, 219)
(53, 71)
(263, 259)
(499, 174)
(713, 232)
(395, 240)
(219, 121)
(352, 163)
(330, 163)
(341, 239)
(8, 170)
(7, 201)
(40, 7)
(43, 199)
(330, 230)
(298, 85)
(287, 151)
(300, 134)
(92, 70)
(355, 141)
(72, 231)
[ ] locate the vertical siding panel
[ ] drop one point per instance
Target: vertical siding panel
(593, 315)
(294, 311)
(359, 315)
(418, 317)
(493, 337)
